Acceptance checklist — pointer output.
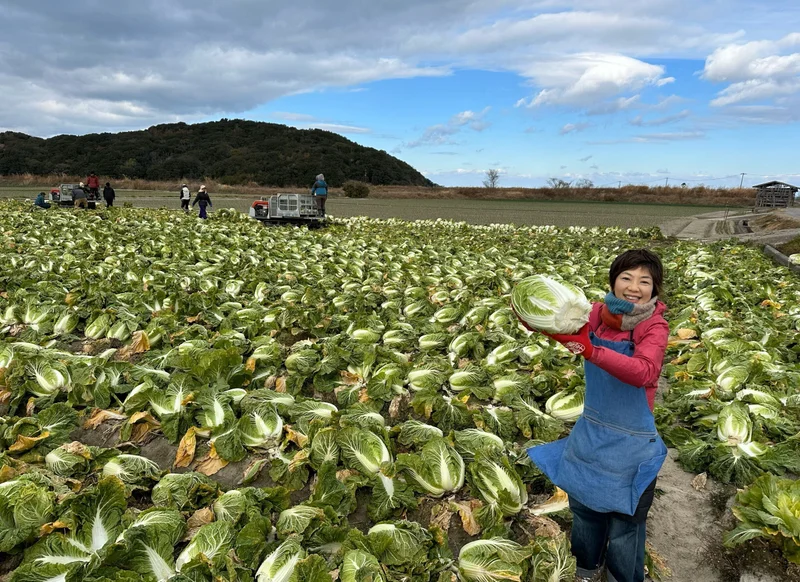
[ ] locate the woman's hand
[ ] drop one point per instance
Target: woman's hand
(578, 343)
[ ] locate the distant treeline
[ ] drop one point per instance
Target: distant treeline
(230, 151)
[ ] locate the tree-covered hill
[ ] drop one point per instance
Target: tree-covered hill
(232, 151)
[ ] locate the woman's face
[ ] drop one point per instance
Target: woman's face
(634, 285)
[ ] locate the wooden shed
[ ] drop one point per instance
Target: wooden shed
(775, 194)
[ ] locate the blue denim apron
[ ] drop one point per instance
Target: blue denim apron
(613, 452)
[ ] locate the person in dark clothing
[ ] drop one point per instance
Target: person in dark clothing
(40, 201)
(320, 193)
(109, 195)
(186, 197)
(202, 200)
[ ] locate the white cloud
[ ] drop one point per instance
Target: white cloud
(574, 127)
(758, 71)
(641, 122)
(441, 133)
(584, 79)
(288, 116)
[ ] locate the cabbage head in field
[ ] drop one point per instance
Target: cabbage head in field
(552, 306)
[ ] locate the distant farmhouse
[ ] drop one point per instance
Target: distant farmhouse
(775, 194)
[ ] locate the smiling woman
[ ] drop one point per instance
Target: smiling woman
(609, 463)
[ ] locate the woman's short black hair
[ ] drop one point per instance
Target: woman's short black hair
(635, 258)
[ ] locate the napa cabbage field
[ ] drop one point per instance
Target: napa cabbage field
(367, 384)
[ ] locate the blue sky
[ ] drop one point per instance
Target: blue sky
(640, 91)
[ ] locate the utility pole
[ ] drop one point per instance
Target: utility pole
(620, 184)
(741, 181)
(666, 182)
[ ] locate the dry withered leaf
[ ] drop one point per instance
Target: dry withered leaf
(5, 396)
(699, 482)
(250, 365)
(140, 343)
(71, 299)
(211, 464)
(197, 520)
(345, 473)
(99, 416)
(200, 517)
(7, 473)
(77, 448)
(24, 443)
(543, 526)
(686, 333)
(294, 436)
(441, 514)
(280, 384)
(269, 383)
(466, 510)
(186, 449)
(395, 405)
(143, 424)
(30, 407)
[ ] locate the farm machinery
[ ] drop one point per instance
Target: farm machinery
(285, 208)
(62, 196)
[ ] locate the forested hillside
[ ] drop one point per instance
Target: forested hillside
(232, 151)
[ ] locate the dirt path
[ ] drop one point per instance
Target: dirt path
(683, 523)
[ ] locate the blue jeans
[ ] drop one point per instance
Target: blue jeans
(611, 537)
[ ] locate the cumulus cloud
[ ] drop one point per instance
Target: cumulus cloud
(584, 79)
(84, 66)
(756, 71)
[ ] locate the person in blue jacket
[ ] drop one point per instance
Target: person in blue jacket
(609, 462)
(320, 192)
(40, 201)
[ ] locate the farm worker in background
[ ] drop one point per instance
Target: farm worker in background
(109, 195)
(320, 192)
(186, 196)
(609, 462)
(40, 201)
(203, 200)
(79, 196)
(93, 184)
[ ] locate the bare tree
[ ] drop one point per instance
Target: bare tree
(558, 183)
(492, 178)
(584, 183)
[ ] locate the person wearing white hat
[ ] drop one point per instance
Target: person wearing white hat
(186, 196)
(203, 200)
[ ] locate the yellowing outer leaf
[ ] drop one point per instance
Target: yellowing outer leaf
(211, 464)
(49, 528)
(24, 443)
(686, 333)
(99, 416)
(466, 510)
(186, 449)
(556, 503)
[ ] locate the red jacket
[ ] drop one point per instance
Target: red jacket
(93, 182)
(644, 367)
